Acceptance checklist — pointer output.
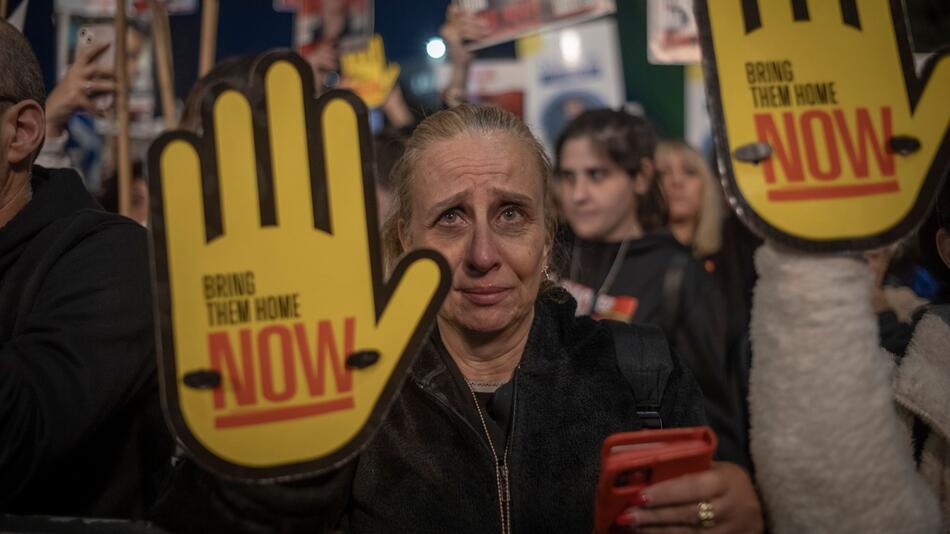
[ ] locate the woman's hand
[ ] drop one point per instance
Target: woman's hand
(675, 505)
(459, 27)
(83, 80)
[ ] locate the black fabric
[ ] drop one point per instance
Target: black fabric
(894, 335)
(733, 267)
(698, 336)
(670, 307)
(429, 469)
(919, 433)
(81, 426)
(895, 338)
(496, 406)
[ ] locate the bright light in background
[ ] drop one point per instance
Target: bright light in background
(435, 47)
(570, 47)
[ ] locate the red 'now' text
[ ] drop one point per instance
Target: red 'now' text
(263, 373)
(819, 144)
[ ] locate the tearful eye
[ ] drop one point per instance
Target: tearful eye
(449, 218)
(511, 214)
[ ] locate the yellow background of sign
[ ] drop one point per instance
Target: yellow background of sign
(331, 273)
(866, 68)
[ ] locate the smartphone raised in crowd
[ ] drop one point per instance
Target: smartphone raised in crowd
(92, 35)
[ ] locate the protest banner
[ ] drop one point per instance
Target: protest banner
(827, 138)
(282, 343)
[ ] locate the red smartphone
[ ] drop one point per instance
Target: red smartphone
(631, 461)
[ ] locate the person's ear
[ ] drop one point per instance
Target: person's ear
(29, 129)
(943, 246)
(644, 179)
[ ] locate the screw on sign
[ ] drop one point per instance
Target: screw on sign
(282, 345)
(828, 138)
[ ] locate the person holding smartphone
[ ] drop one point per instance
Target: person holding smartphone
(85, 79)
(500, 424)
(87, 87)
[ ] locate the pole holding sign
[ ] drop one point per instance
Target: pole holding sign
(209, 36)
(827, 138)
(163, 56)
(282, 343)
(123, 159)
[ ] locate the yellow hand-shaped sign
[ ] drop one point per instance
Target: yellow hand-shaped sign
(827, 138)
(282, 345)
(368, 74)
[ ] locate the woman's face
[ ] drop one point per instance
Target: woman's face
(598, 197)
(479, 200)
(682, 183)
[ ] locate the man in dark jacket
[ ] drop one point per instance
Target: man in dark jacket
(80, 422)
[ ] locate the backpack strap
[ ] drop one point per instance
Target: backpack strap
(643, 356)
(672, 292)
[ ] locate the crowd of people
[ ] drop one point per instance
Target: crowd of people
(823, 381)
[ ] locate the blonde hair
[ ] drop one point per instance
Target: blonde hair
(707, 239)
(443, 126)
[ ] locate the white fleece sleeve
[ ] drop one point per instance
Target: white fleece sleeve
(53, 154)
(825, 437)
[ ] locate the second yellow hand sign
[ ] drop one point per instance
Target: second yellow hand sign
(827, 138)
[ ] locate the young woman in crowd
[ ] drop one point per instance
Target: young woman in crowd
(624, 264)
(500, 424)
(693, 198)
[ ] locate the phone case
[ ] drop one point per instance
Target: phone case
(89, 36)
(631, 461)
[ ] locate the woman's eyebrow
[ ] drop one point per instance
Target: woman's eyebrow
(511, 196)
(444, 204)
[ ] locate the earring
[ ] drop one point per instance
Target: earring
(546, 272)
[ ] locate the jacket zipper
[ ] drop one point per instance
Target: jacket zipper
(501, 472)
(501, 466)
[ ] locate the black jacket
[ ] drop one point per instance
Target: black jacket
(79, 411)
(430, 468)
(693, 316)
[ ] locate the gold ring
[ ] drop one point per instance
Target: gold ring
(707, 514)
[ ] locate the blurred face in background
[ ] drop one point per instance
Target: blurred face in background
(682, 182)
(478, 199)
(597, 197)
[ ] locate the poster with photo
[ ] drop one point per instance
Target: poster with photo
(511, 19)
(672, 35)
(106, 8)
(344, 23)
(573, 69)
(492, 81)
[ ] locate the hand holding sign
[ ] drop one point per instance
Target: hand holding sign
(368, 74)
(268, 264)
(827, 136)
